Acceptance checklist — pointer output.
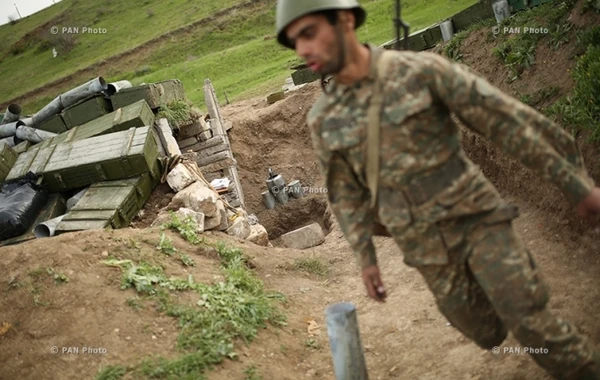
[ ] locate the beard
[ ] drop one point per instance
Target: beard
(338, 60)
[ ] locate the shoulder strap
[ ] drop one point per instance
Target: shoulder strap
(374, 116)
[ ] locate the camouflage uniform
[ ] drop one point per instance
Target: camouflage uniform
(447, 218)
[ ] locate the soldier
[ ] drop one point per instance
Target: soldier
(391, 157)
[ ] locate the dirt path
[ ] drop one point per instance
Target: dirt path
(407, 337)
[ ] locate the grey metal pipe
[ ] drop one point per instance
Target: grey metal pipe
(12, 114)
(33, 135)
(114, 87)
(28, 121)
(268, 200)
(92, 87)
(501, 10)
(47, 228)
(344, 339)
(10, 129)
(49, 110)
(447, 30)
(295, 189)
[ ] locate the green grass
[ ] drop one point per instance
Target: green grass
(517, 50)
(226, 314)
(232, 51)
(311, 265)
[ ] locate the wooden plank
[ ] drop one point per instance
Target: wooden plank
(205, 153)
(8, 158)
(219, 165)
(216, 140)
(214, 158)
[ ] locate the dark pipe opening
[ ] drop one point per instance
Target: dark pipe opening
(15, 109)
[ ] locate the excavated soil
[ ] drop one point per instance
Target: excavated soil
(405, 338)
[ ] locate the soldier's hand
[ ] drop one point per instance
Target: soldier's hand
(589, 208)
(372, 280)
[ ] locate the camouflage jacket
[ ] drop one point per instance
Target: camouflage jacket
(425, 176)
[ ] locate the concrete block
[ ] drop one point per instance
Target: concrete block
(240, 228)
(305, 237)
(197, 196)
(258, 235)
(180, 177)
(182, 214)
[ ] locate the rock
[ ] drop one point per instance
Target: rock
(253, 219)
(224, 220)
(212, 222)
(258, 235)
(240, 228)
(305, 237)
(197, 196)
(179, 178)
(182, 213)
(164, 130)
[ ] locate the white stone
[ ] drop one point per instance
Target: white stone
(179, 178)
(305, 237)
(224, 219)
(258, 235)
(172, 148)
(197, 196)
(240, 228)
(182, 213)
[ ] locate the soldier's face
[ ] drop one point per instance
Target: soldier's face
(318, 42)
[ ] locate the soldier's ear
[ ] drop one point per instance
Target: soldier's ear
(347, 20)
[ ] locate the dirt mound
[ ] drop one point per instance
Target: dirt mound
(59, 296)
(276, 136)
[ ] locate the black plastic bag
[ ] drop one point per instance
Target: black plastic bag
(20, 203)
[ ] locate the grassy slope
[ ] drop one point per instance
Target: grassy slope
(236, 57)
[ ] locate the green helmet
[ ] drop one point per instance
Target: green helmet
(290, 10)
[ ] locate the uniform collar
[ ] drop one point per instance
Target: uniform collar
(339, 89)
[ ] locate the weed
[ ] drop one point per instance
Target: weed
(113, 372)
(312, 343)
(560, 36)
(134, 303)
(165, 245)
(187, 260)
(589, 38)
(581, 109)
(539, 96)
(311, 265)
(187, 228)
(178, 113)
(251, 373)
(233, 309)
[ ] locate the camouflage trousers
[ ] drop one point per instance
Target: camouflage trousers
(492, 285)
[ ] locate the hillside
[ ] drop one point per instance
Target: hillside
(231, 42)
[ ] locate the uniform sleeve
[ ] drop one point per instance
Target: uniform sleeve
(349, 200)
(350, 203)
(519, 130)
